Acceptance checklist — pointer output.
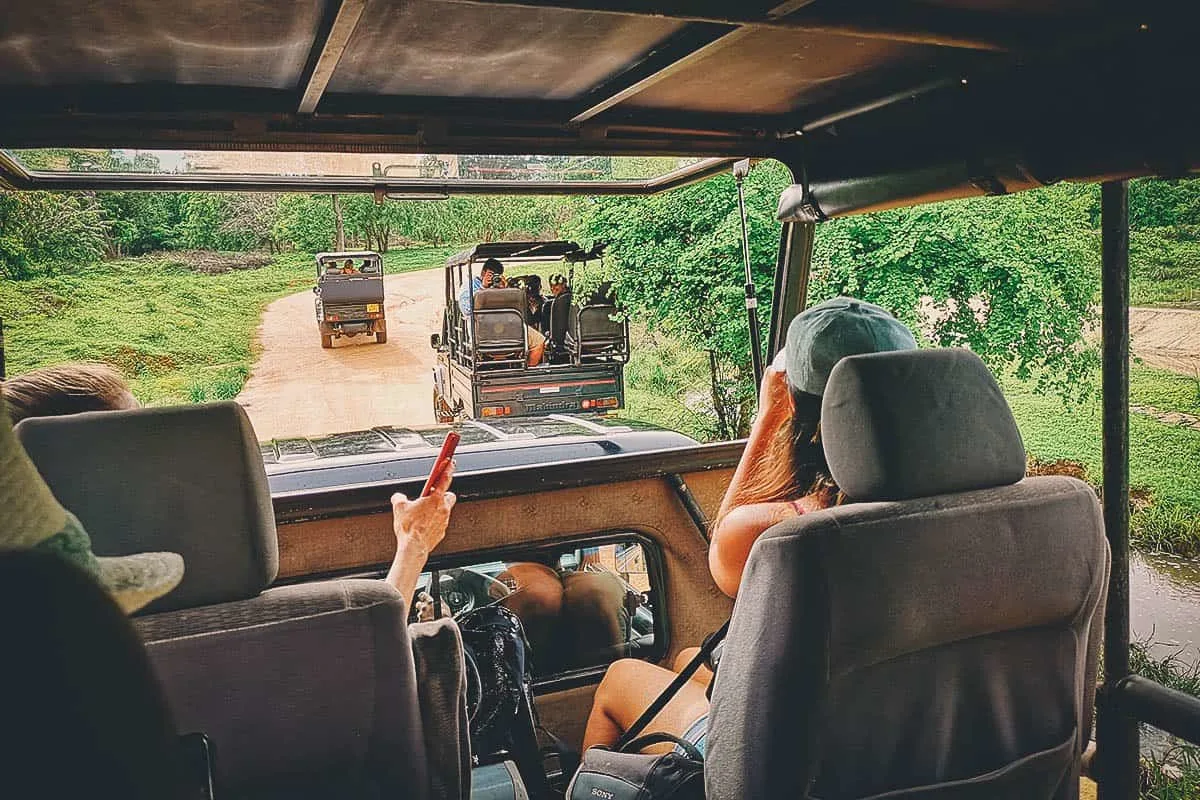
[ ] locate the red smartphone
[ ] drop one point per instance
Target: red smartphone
(442, 463)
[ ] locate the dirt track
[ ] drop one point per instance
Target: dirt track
(297, 388)
(1168, 338)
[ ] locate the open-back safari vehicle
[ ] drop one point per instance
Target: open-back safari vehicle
(941, 634)
(487, 366)
(349, 294)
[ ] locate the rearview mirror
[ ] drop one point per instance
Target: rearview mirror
(435, 340)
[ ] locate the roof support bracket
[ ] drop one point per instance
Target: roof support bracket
(323, 61)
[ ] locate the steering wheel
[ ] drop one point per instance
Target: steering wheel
(464, 589)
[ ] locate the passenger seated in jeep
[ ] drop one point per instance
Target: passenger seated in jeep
(66, 389)
(782, 474)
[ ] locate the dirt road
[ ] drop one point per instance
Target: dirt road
(297, 388)
(1168, 338)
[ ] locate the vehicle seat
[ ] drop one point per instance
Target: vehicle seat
(592, 333)
(306, 690)
(500, 325)
(936, 636)
(560, 312)
(83, 713)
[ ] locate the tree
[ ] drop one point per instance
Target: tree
(306, 222)
(1012, 278)
(50, 231)
(676, 262)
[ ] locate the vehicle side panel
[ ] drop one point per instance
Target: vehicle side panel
(538, 391)
(694, 605)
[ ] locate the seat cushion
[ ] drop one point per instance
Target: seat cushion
(187, 479)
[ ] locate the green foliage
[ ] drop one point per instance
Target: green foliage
(1012, 278)
(224, 222)
(1166, 527)
(47, 232)
(1171, 770)
(141, 222)
(1164, 459)
(676, 262)
(178, 335)
(306, 221)
(1159, 202)
(1164, 265)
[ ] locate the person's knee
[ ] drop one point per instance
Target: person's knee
(617, 677)
(684, 658)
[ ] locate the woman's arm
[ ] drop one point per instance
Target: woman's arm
(736, 534)
(419, 526)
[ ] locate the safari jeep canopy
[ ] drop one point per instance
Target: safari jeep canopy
(872, 103)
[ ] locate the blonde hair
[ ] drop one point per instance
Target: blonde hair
(65, 389)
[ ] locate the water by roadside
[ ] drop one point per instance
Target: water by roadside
(1164, 594)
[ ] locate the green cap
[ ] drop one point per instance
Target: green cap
(823, 335)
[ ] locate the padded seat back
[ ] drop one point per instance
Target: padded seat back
(189, 479)
(560, 313)
(304, 690)
(500, 321)
(936, 636)
(592, 332)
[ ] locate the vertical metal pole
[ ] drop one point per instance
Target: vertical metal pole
(756, 358)
(1116, 735)
(792, 268)
(3, 371)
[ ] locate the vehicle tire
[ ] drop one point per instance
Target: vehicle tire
(381, 337)
(326, 340)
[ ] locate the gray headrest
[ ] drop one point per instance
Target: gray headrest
(188, 479)
(918, 423)
(500, 298)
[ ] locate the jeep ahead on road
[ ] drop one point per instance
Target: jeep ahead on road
(488, 359)
(349, 294)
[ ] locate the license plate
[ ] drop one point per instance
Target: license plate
(372, 307)
(548, 390)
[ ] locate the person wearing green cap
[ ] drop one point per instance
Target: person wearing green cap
(782, 473)
(34, 519)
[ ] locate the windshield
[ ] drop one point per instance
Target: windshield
(180, 163)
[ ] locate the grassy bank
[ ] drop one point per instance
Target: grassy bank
(1172, 772)
(1164, 458)
(177, 334)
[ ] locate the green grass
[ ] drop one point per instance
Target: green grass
(1173, 772)
(1165, 459)
(178, 336)
(411, 259)
(1164, 265)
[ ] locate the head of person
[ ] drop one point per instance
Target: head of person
(348, 264)
(558, 284)
(817, 339)
(533, 285)
(492, 272)
(66, 389)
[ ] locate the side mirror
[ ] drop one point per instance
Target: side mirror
(435, 341)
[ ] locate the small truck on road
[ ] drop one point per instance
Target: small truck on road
(349, 294)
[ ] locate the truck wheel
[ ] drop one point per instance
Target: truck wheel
(381, 337)
(326, 340)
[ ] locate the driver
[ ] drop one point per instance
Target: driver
(348, 267)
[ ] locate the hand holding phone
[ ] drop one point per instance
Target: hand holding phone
(442, 463)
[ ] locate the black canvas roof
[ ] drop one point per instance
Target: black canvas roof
(520, 251)
(1017, 92)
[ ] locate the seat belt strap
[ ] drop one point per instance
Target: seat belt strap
(672, 689)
